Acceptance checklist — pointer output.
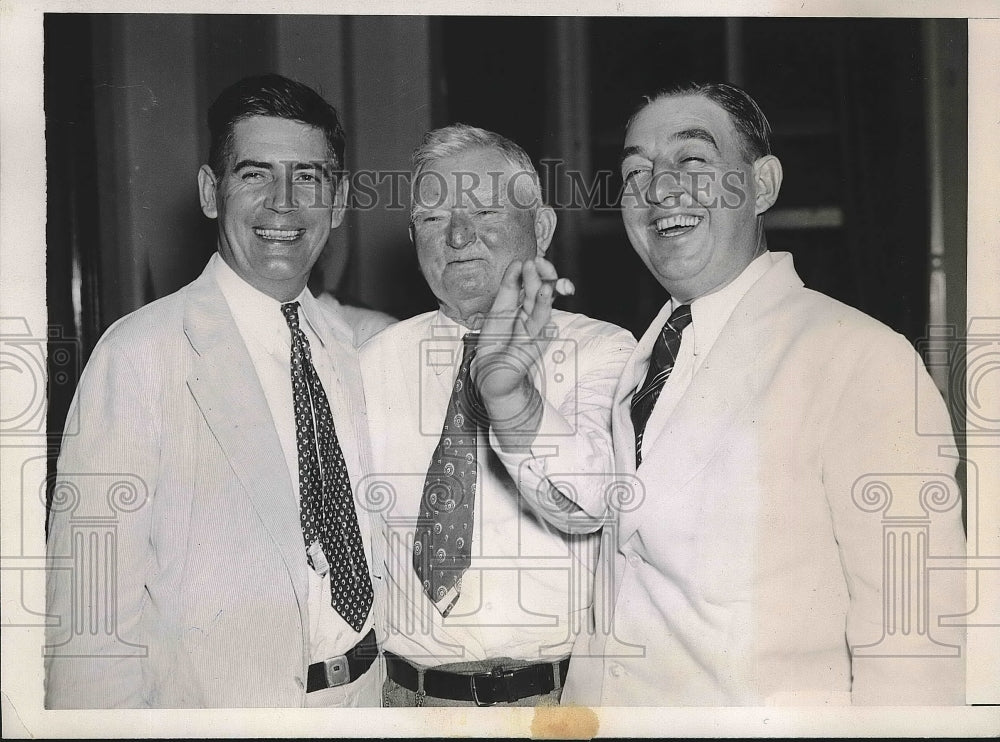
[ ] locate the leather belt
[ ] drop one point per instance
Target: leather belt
(485, 688)
(344, 668)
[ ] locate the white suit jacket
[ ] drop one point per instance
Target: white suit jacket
(789, 475)
(193, 590)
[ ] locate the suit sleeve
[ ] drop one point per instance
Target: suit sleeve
(569, 474)
(99, 541)
(889, 483)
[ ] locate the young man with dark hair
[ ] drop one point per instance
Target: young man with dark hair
(240, 573)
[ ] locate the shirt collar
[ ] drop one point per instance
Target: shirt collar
(444, 334)
(709, 313)
(257, 315)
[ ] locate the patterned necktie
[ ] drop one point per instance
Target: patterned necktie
(661, 363)
(326, 503)
(442, 545)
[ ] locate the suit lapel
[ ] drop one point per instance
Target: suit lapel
(735, 371)
(633, 375)
(228, 392)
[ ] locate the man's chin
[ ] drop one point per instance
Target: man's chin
(466, 303)
(286, 268)
(673, 274)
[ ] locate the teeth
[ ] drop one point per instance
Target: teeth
(277, 234)
(677, 220)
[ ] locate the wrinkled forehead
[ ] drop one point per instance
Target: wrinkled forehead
(471, 179)
(672, 119)
(279, 140)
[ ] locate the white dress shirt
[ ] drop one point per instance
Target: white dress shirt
(268, 340)
(529, 585)
(709, 315)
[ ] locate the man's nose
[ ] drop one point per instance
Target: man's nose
(282, 197)
(461, 230)
(665, 185)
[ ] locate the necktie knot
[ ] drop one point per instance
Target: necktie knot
(291, 312)
(668, 342)
(680, 318)
(467, 396)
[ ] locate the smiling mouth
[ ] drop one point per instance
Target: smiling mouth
(278, 235)
(676, 225)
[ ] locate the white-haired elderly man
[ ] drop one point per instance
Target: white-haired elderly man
(487, 415)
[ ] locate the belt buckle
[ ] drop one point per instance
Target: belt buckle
(497, 673)
(337, 671)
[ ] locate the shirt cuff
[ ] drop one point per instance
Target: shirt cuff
(560, 451)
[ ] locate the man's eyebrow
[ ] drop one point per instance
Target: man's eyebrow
(251, 163)
(321, 165)
(697, 133)
(629, 151)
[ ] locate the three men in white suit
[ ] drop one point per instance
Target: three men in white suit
(483, 415)
(238, 572)
(778, 554)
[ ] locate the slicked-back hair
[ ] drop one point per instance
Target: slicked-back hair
(748, 119)
(270, 95)
(448, 141)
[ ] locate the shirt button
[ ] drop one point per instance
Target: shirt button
(298, 682)
(634, 559)
(616, 670)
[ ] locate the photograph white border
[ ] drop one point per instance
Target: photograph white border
(22, 295)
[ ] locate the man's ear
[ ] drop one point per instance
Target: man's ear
(767, 175)
(206, 192)
(545, 228)
(339, 201)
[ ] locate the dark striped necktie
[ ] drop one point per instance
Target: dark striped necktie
(661, 363)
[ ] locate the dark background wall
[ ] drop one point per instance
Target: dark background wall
(868, 116)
